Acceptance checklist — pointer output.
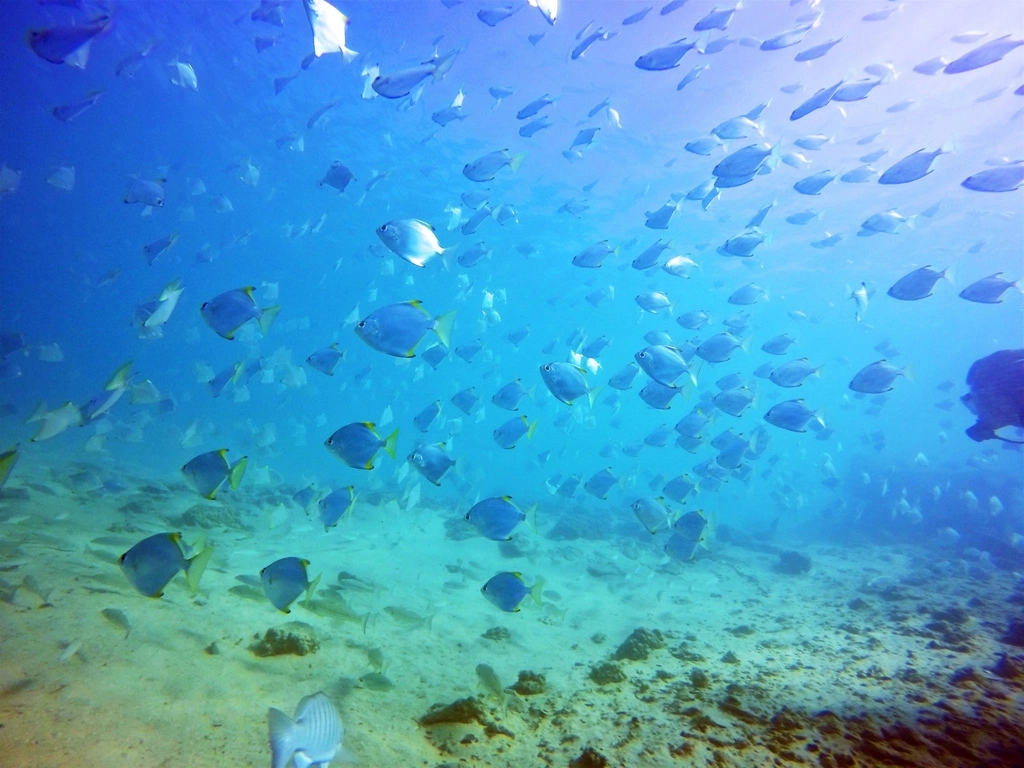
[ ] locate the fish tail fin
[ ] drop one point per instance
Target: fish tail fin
(531, 517)
(311, 589)
(817, 371)
(745, 344)
(593, 393)
(531, 429)
(281, 737)
(702, 42)
(907, 372)
(537, 592)
(516, 160)
(237, 472)
(447, 258)
(819, 416)
(948, 274)
(443, 327)
(952, 145)
(267, 317)
(196, 567)
(391, 443)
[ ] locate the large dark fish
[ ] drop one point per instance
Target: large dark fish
(997, 394)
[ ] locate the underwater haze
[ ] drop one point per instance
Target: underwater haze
(523, 383)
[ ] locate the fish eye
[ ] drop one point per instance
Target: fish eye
(361, 324)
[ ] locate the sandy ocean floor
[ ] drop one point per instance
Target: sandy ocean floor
(876, 656)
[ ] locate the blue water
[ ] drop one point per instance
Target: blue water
(891, 468)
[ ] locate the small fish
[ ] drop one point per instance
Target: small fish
(119, 619)
(158, 248)
(149, 193)
(229, 311)
(600, 483)
(536, 106)
(877, 378)
(511, 394)
(813, 184)
(983, 55)
(432, 461)
(68, 44)
(7, 461)
(778, 345)
(328, 25)
(589, 40)
(426, 417)
(720, 347)
(566, 382)
(207, 472)
(592, 257)
(509, 433)
(325, 360)
(466, 400)
(497, 517)
(337, 505)
(623, 380)
(664, 364)
(68, 112)
(284, 580)
(357, 444)
(316, 736)
(669, 56)
(817, 51)
(694, 320)
(1005, 178)
(507, 590)
(792, 415)
(484, 168)
(913, 167)
(918, 284)
(793, 373)
(653, 302)
(987, 290)
(888, 222)
(660, 218)
(652, 513)
(397, 329)
(678, 488)
(183, 75)
(411, 239)
(337, 176)
(749, 294)
(154, 561)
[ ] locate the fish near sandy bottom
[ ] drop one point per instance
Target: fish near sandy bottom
(208, 471)
(314, 738)
(357, 444)
(153, 562)
(284, 580)
(507, 590)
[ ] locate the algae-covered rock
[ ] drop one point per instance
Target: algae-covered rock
(529, 683)
(793, 563)
(466, 710)
(589, 758)
(295, 638)
(639, 644)
(497, 634)
(607, 673)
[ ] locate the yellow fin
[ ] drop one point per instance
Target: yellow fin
(196, 567)
(443, 327)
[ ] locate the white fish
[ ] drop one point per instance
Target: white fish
(63, 178)
(412, 239)
(56, 421)
(315, 737)
(369, 74)
(183, 75)
(168, 301)
(548, 9)
(328, 25)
